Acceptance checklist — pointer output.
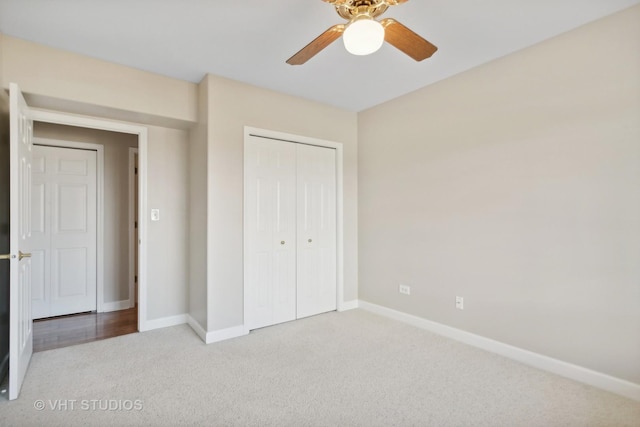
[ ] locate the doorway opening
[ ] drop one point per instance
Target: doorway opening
(97, 280)
(113, 300)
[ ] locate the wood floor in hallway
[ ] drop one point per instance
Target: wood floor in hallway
(63, 331)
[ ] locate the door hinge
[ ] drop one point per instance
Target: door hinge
(135, 279)
(136, 224)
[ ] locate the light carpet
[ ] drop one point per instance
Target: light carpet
(338, 369)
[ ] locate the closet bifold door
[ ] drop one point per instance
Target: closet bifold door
(316, 229)
(270, 227)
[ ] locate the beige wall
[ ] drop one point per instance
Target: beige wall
(168, 239)
(198, 216)
(59, 76)
(116, 199)
(515, 185)
(233, 105)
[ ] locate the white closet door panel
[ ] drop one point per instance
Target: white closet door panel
(285, 286)
(270, 233)
(316, 224)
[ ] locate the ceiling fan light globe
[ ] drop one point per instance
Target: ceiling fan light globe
(363, 37)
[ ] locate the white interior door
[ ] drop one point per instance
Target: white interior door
(316, 228)
(20, 322)
(270, 232)
(64, 226)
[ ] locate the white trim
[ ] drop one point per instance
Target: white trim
(99, 148)
(574, 372)
(142, 132)
(115, 305)
(165, 322)
(132, 231)
(215, 336)
(265, 133)
(142, 228)
(349, 305)
(225, 334)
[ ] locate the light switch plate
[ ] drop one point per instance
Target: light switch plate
(155, 214)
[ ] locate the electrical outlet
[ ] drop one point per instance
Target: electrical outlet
(460, 303)
(404, 289)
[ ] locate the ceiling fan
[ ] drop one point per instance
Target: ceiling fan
(363, 34)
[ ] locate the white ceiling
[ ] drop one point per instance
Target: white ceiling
(250, 40)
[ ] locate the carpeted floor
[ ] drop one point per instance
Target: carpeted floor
(337, 369)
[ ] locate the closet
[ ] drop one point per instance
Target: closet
(290, 231)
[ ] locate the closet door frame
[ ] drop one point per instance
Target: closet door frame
(298, 139)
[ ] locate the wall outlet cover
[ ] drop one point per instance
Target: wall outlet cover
(404, 289)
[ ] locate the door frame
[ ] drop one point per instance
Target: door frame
(99, 206)
(67, 119)
(132, 232)
(298, 139)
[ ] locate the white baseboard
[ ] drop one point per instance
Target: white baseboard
(215, 336)
(115, 306)
(574, 372)
(164, 322)
(225, 334)
(348, 305)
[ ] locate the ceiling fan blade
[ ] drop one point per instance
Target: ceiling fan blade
(313, 48)
(406, 40)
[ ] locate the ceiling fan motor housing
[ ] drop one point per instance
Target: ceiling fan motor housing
(352, 9)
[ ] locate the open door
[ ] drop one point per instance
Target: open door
(20, 320)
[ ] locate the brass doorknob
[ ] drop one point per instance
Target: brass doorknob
(282, 242)
(23, 255)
